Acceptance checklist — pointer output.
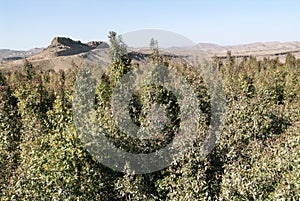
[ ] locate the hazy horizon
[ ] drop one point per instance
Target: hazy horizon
(146, 46)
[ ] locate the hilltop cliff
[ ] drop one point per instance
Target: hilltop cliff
(61, 46)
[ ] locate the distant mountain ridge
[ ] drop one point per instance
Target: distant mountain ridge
(10, 55)
(64, 52)
(256, 49)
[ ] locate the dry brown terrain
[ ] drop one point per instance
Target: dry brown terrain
(62, 53)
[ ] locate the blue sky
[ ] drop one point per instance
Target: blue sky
(33, 23)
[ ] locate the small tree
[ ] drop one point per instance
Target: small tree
(28, 69)
(118, 48)
(290, 60)
(155, 57)
(120, 61)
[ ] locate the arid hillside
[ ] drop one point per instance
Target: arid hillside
(64, 52)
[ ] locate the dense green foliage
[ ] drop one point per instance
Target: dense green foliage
(256, 157)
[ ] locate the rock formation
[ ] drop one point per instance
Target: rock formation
(61, 46)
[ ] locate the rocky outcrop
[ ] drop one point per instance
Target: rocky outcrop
(97, 44)
(61, 46)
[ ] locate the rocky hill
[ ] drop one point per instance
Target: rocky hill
(62, 53)
(61, 46)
